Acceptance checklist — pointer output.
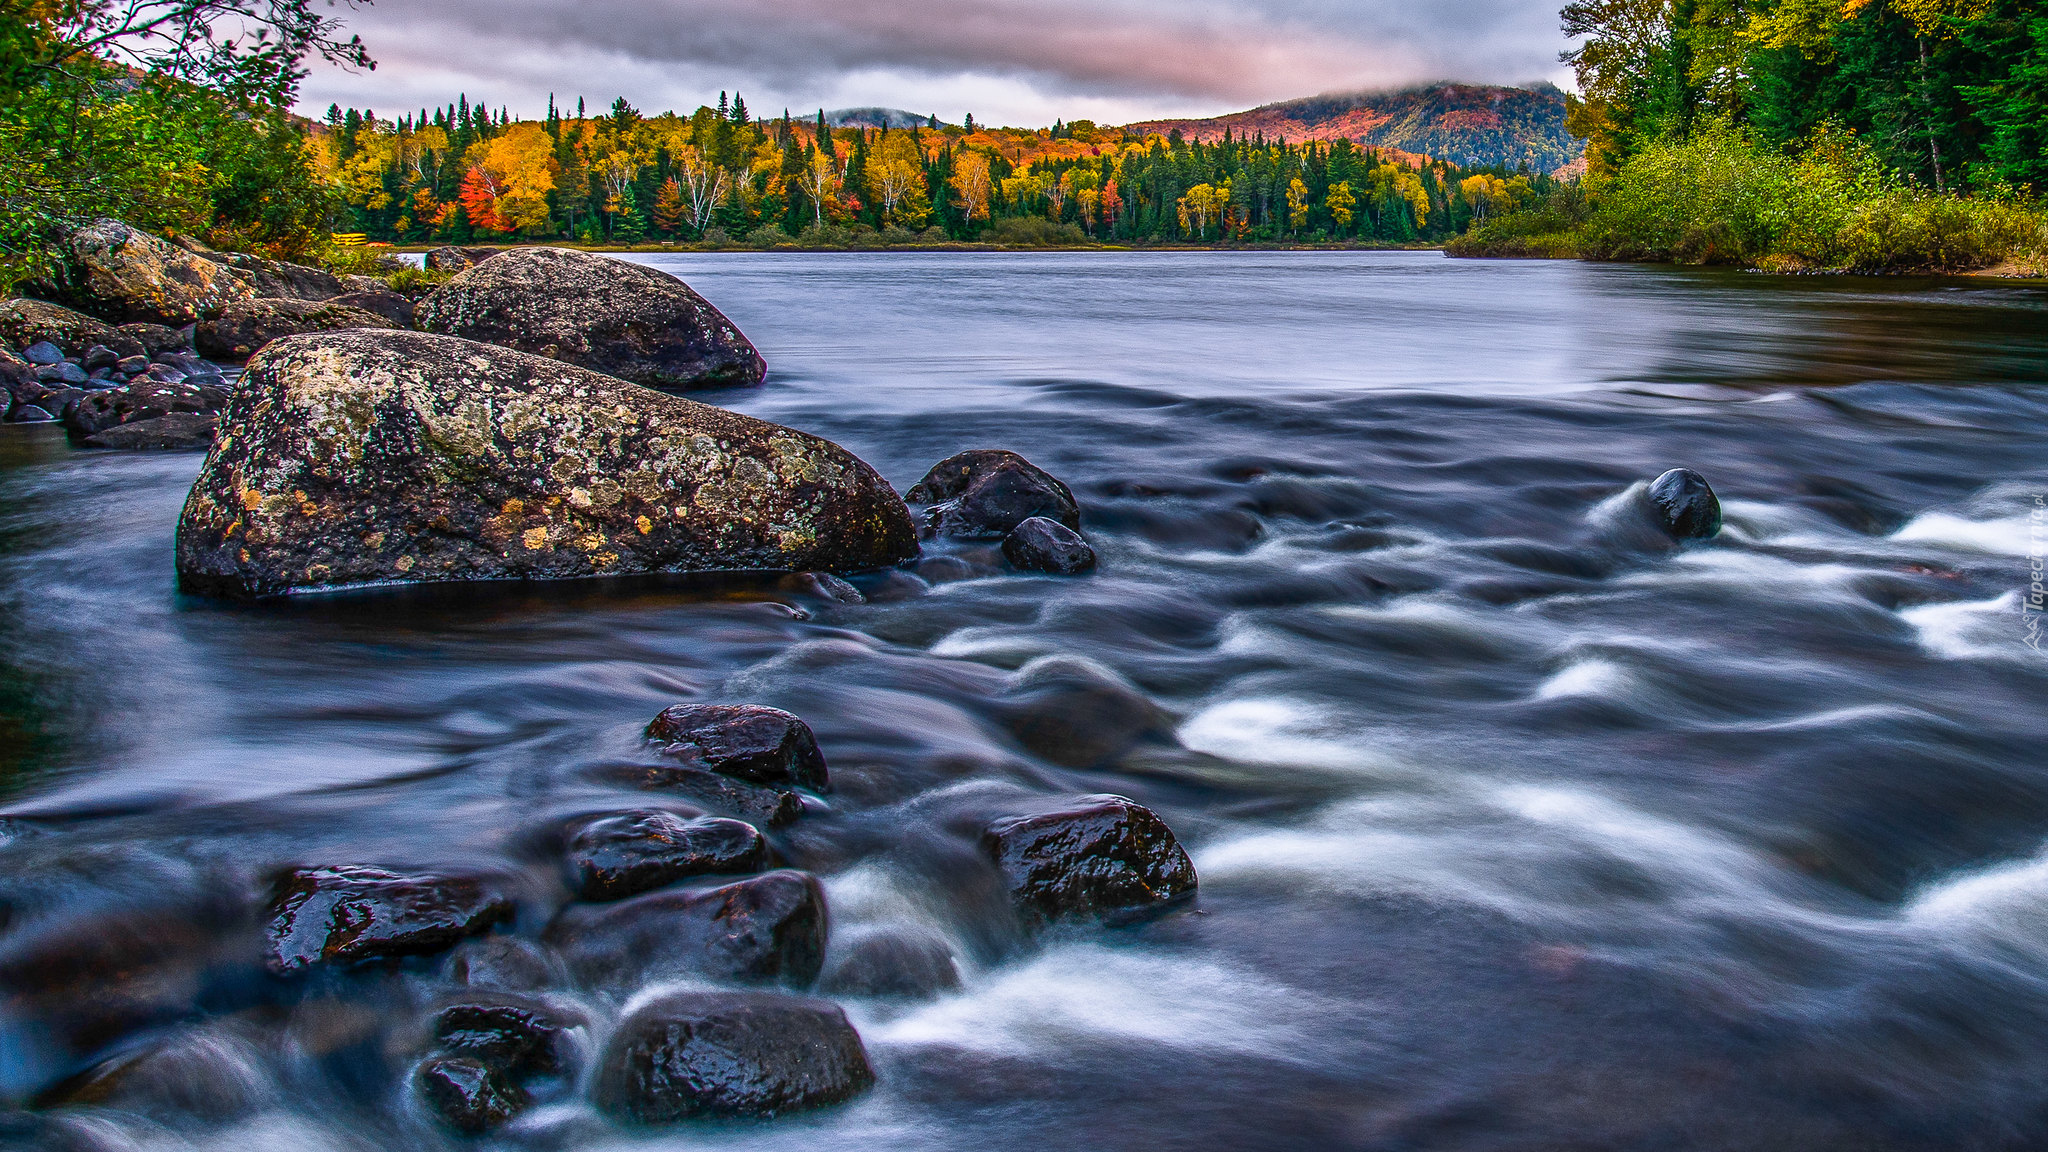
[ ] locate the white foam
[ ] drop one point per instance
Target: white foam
(1284, 732)
(2005, 536)
(1972, 629)
(1085, 992)
(1594, 677)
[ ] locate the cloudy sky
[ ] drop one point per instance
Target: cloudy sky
(1018, 62)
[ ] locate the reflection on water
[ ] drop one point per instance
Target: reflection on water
(1514, 830)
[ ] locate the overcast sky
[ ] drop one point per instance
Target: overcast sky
(1019, 62)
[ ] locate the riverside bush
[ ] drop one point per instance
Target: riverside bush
(1718, 197)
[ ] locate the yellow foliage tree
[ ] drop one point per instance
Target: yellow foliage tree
(970, 180)
(1340, 201)
(521, 163)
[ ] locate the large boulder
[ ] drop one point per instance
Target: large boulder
(1101, 856)
(767, 927)
(351, 914)
(27, 322)
(281, 279)
(246, 327)
(380, 301)
(120, 274)
(374, 456)
(625, 320)
(730, 1054)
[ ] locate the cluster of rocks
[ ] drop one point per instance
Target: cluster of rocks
(989, 494)
(660, 893)
(135, 385)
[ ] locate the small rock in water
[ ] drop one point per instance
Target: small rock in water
(143, 399)
(952, 476)
(731, 1054)
(823, 585)
(887, 963)
(29, 414)
(996, 502)
(97, 357)
(626, 853)
(1076, 713)
(754, 743)
(63, 372)
(766, 927)
(132, 365)
(349, 914)
(516, 1038)
(1103, 856)
(195, 1072)
(178, 432)
(503, 964)
(771, 807)
(1687, 503)
(469, 1094)
(42, 353)
(1042, 545)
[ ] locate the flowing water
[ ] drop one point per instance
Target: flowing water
(1516, 827)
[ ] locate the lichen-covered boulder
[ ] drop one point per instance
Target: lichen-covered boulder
(118, 273)
(27, 322)
(246, 327)
(361, 457)
(622, 319)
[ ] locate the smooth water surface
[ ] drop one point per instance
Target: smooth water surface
(1516, 827)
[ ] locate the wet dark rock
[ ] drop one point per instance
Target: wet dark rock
(888, 963)
(133, 365)
(142, 399)
(29, 414)
(626, 320)
(246, 327)
(62, 373)
(1042, 545)
(180, 432)
(1687, 504)
(153, 339)
(626, 853)
(986, 494)
(351, 914)
(518, 1038)
(42, 353)
(379, 456)
(120, 274)
(183, 361)
(468, 1094)
(730, 1054)
(60, 401)
(767, 927)
(1101, 856)
(381, 302)
(1078, 714)
(458, 259)
(27, 322)
(97, 357)
(822, 585)
(769, 807)
(754, 743)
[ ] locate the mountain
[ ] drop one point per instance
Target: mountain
(1467, 124)
(875, 118)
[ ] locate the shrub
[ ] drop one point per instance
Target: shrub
(1035, 232)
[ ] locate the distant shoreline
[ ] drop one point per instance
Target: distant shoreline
(963, 246)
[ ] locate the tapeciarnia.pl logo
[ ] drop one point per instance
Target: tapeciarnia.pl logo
(2037, 558)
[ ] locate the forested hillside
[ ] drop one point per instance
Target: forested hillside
(1477, 125)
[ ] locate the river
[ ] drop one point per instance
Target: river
(1513, 830)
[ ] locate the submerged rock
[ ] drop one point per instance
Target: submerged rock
(767, 927)
(1102, 856)
(625, 320)
(246, 326)
(1687, 504)
(364, 456)
(187, 1073)
(468, 1094)
(731, 1054)
(178, 432)
(626, 853)
(889, 963)
(986, 494)
(1077, 713)
(754, 743)
(351, 914)
(1042, 545)
(771, 807)
(121, 274)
